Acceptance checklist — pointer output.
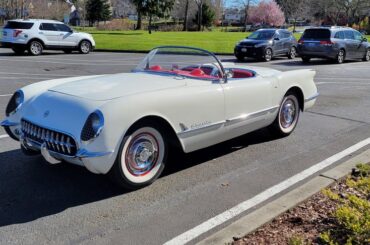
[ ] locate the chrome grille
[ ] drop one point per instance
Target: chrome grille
(55, 141)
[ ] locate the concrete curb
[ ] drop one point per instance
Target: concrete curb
(266, 213)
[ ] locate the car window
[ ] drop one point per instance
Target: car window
(316, 34)
(358, 36)
(339, 35)
(63, 28)
(262, 35)
(48, 27)
(18, 25)
(349, 35)
(285, 35)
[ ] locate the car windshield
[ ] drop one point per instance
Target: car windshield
(316, 34)
(182, 61)
(262, 35)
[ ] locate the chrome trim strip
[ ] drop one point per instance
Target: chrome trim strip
(194, 131)
(7, 123)
(312, 97)
(253, 115)
(83, 153)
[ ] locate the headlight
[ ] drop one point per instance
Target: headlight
(93, 126)
(15, 103)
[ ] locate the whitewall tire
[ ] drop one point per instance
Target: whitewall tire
(141, 159)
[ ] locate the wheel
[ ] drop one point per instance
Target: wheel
(268, 55)
(35, 48)
(67, 51)
(239, 58)
(18, 51)
(287, 117)
(306, 59)
(84, 47)
(367, 56)
(141, 158)
(341, 56)
(292, 53)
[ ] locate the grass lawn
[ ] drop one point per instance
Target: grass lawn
(216, 41)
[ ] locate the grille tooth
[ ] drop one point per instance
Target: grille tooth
(55, 141)
(68, 145)
(62, 143)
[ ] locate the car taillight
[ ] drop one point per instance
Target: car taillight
(326, 43)
(300, 41)
(16, 33)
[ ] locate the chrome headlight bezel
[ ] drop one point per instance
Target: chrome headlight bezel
(93, 126)
(15, 103)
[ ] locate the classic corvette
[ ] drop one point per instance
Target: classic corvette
(125, 124)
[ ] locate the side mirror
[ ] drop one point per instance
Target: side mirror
(276, 39)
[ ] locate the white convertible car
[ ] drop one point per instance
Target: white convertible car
(124, 124)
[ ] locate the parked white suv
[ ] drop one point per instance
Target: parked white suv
(37, 35)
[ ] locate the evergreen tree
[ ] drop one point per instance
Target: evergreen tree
(208, 16)
(97, 10)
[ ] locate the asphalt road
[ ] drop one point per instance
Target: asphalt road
(42, 204)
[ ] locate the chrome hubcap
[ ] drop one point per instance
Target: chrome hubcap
(36, 48)
(293, 52)
(368, 55)
(142, 154)
(85, 47)
(340, 56)
(288, 114)
(268, 54)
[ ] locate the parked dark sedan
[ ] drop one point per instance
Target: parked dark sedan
(335, 43)
(266, 44)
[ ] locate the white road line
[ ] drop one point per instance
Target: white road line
(341, 83)
(4, 136)
(5, 95)
(28, 74)
(263, 196)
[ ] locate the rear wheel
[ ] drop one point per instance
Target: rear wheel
(341, 56)
(367, 56)
(292, 53)
(35, 48)
(268, 55)
(287, 117)
(19, 51)
(84, 47)
(306, 59)
(142, 157)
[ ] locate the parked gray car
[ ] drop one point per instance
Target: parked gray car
(335, 43)
(266, 44)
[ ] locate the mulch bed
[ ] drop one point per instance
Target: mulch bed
(306, 221)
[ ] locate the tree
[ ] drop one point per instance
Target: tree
(295, 10)
(199, 13)
(185, 28)
(139, 4)
(208, 16)
(97, 10)
(160, 9)
(267, 12)
(246, 6)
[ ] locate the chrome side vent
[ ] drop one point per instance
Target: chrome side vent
(55, 141)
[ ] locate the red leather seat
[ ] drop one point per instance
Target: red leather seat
(197, 72)
(155, 68)
(241, 73)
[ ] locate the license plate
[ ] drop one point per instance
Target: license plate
(311, 44)
(244, 50)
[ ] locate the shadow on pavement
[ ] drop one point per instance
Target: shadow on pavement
(30, 189)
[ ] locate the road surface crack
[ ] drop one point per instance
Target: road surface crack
(338, 117)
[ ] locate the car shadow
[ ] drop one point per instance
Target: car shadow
(30, 189)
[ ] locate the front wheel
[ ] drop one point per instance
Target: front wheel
(367, 55)
(141, 159)
(268, 55)
(84, 47)
(292, 53)
(287, 117)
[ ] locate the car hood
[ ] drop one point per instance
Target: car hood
(109, 87)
